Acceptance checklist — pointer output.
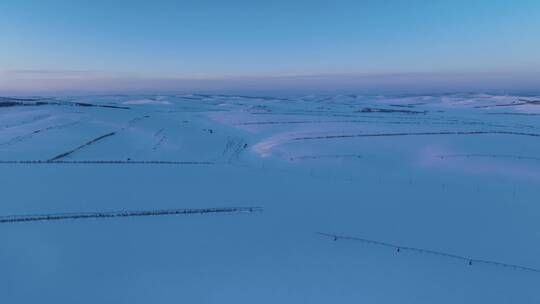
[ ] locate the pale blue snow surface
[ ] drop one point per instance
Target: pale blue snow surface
(314, 163)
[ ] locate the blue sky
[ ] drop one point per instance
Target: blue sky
(72, 44)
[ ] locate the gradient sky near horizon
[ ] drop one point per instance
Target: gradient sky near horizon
(73, 44)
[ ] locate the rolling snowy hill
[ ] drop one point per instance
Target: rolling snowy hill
(455, 173)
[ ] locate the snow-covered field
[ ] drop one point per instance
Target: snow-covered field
(453, 173)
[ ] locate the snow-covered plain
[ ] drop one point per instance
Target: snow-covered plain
(455, 173)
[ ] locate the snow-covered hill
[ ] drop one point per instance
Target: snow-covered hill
(454, 173)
